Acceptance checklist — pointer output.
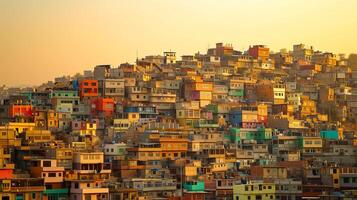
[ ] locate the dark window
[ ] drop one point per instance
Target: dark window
(47, 163)
(51, 174)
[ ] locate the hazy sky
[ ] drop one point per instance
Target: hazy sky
(42, 39)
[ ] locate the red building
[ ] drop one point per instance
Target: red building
(20, 111)
(6, 174)
(88, 88)
(260, 52)
(106, 106)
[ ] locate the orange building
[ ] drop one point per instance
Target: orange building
(103, 106)
(260, 52)
(20, 111)
(198, 90)
(88, 88)
(308, 107)
(173, 147)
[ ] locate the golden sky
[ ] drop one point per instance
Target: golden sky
(42, 39)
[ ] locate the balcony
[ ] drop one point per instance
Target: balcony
(148, 185)
(225, 184)
(102, 171)
(90, 190)
(348, 180)
(214, 153)
(8, 166)
(159, 187)
(27, 185)
(56, 191)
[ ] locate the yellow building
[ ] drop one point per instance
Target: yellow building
(173, 147)
(22, 188)
(145, 152)
(262, 109)
(8, 137)
(308, 107)
(324, 59)
(310, 145)
(38, 136)
(46, 119)
(254, 191)
(20, 127)
(188, 113)
(5, 159)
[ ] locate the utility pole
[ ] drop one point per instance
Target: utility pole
(181, 181)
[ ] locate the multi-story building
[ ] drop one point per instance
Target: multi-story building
(112, 88)
(254, 191)
(88, 88)
(88, 175)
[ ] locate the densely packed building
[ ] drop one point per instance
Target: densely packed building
(226, 125)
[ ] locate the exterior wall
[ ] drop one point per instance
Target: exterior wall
(114, 88)
(253, 191)
(173, 148)
(259, 52)
(20, 110)
(329, 134)
(88, 158)
(88, 88)
(102, 105)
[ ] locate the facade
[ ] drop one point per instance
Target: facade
(223, 124)
(88, 88)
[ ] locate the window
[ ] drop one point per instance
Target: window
(47, 163)
(51, 174)
(346, 180)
